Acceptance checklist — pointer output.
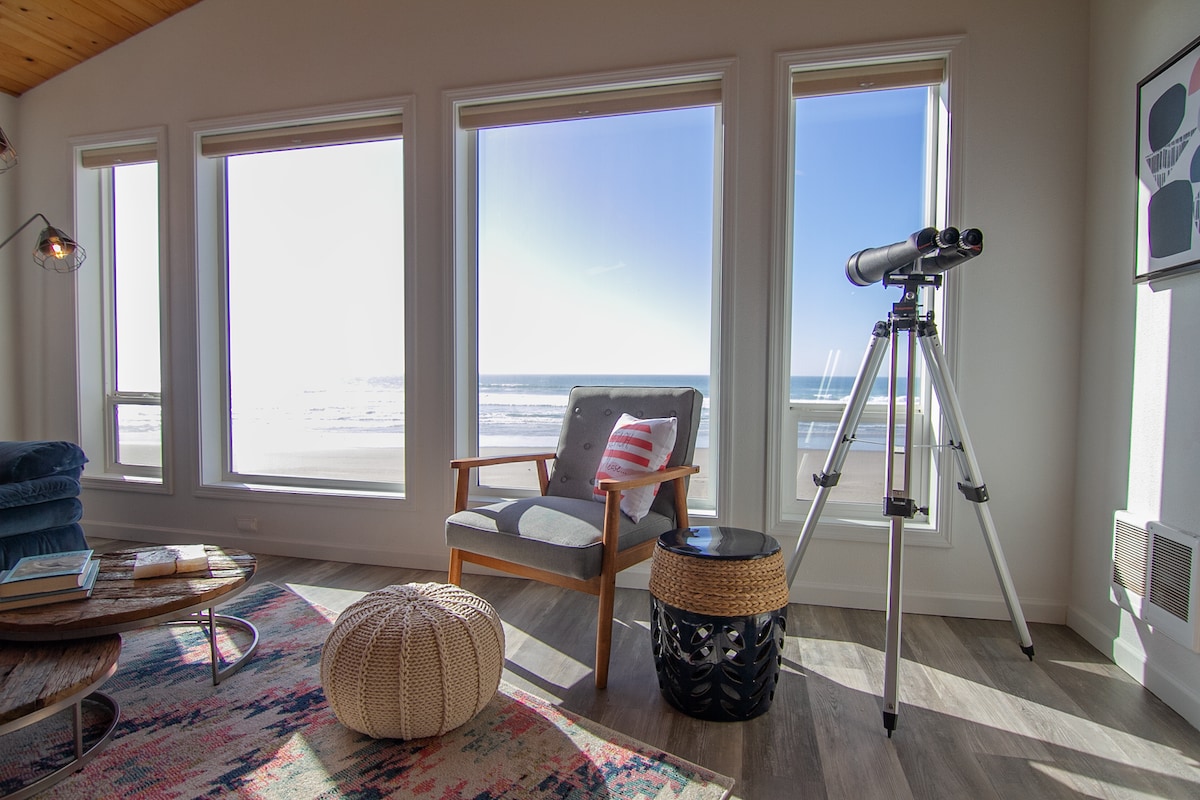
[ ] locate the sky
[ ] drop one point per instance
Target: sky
(595, 240)
(596, 246)
(859, 183)
(603, 228)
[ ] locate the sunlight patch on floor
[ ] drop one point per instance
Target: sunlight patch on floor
(336, 600)
(526, 651)
(1103, 670)
(1088, 786)
(960, 698)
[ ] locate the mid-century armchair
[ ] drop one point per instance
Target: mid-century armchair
(564, 537)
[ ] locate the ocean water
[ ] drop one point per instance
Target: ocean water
(515, 411)
(527, 410)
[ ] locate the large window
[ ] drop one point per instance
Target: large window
(590, 257)
(312, 300)
(118, 203)
(867, 147)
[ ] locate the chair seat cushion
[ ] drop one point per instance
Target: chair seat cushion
(558, 534)
(38, 516)
(23, 461)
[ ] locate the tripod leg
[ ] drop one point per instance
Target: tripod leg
(842, 439)
(972, 485)
(897, 506)
(891, 663)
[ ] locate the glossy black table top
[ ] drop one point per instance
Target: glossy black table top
(719, 543)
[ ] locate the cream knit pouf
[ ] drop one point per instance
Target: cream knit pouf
(411, 661)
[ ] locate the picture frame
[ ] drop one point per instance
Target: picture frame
(1168, 168)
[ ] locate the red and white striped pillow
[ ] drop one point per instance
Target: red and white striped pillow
(635, 447)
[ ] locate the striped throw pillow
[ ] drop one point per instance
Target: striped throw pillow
(635, 447)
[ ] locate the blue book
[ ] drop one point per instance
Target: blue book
(81, 592)
(45, 572)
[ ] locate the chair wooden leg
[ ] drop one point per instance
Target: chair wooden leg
(604, 626)
(455, 572)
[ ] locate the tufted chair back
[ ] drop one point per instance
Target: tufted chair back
(593, 411)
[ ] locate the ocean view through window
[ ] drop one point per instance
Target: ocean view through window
(119, 308)
(868, 160)
(315, 345)
(136, 396)
(595, 266)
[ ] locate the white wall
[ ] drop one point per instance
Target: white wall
(1022, 178)
(9, 418)
(1139, 430)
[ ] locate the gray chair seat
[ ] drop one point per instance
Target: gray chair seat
(557, 534)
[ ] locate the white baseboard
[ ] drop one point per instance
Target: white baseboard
(1181, 697)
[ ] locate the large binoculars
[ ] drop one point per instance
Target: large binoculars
(926, 252)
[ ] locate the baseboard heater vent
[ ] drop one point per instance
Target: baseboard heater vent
(1156, 576)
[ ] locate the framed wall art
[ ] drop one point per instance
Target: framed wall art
(1168, 167)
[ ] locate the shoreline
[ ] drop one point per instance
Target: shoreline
(861, 480)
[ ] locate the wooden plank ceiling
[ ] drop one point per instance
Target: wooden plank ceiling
(42, 38)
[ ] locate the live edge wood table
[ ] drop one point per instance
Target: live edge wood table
(38, 681)
(120, 603)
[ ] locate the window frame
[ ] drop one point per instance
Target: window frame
(846, 521)
(99, 400)
(215, 478)
(463, 211)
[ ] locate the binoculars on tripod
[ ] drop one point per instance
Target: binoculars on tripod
(926, 252)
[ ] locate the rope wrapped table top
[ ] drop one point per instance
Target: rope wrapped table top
(719, 582)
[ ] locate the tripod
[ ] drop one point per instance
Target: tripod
(898, 505)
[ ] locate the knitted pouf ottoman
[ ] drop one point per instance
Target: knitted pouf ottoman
(411, 661)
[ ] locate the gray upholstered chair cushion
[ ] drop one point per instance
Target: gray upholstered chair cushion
(592, 411)
(557, 534)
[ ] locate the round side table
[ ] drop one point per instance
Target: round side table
(718, 616)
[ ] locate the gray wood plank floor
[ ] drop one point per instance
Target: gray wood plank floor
(977, 718)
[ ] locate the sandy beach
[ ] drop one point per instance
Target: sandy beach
(861, 481)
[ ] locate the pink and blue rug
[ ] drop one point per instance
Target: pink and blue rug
(267, 732)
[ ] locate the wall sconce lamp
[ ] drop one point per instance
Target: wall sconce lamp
(8, 156)
(55, 251)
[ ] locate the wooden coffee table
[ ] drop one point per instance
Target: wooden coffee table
(121, 603)
(39, 680)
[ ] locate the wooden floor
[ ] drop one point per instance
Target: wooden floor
(977, 719)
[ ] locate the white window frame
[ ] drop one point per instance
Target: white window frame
(463, 210)
(215, 477)
(933, 481)
(98, 398)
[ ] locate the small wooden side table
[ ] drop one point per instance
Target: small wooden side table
(37, 681)
(120, 603)
(718, 616)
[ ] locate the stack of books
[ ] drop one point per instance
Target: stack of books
(48, 578)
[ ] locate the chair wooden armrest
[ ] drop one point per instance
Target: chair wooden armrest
(487, 461)
(612, 504)
(670, 474)
(464, 466)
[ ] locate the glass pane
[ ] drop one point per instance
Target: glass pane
(135, 277)
(862, 180)
(595, 267)
(139, 435)
(316, 313)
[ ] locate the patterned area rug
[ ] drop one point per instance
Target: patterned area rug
(267, 732)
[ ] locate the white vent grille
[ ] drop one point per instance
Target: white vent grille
(1131, 548)
(1172, 572)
